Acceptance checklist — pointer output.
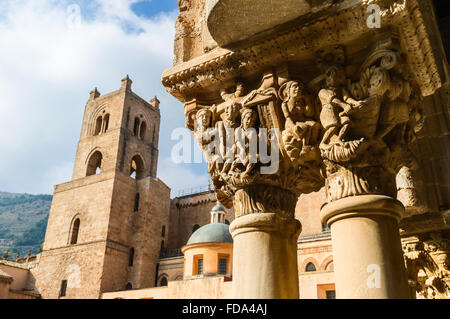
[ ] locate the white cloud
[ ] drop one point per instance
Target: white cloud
(48, 66)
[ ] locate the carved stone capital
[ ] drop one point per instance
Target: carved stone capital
(428, 266)
(264, 199)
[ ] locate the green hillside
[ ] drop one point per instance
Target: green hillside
(23, 220)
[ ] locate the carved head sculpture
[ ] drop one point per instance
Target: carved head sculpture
(248, 118)
(239, 89)
(231, 112)
(379, 82)
(335, 76)
(204, 119)
(291, 90)
(443, 261)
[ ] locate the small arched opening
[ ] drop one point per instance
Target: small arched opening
(310, 267)
(136, 126)
(94, 164)
(98, 126)
(137, 167)
(163, 231)
(75, 231)
(106, 121)
(163, 282)
(128, 286)
(131, 258)
(136, 202)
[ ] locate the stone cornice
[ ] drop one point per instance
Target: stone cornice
(302, 39)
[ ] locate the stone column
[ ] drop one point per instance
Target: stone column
(362, 149)
(368, 261)
(265, 256)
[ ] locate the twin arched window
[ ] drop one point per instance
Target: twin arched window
(101, 124)
(139, 128)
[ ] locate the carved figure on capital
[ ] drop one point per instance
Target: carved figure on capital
(301, 129)
(367, 124)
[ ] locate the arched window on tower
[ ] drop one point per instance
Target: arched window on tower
(95, 164)
(137, 168)
(163, 231)
(136, 202)
(131, 257)
(106, 123)
(310, 267)
(136, 126)
(75, 231)
(142, 131)
(129, 286)
(98, 126)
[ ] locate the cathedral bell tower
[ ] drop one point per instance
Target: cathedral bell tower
(104, 228)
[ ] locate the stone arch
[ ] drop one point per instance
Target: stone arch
(306, 262)
(326, 263)
(94, 163)
(137, 167)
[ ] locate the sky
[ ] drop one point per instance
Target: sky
(52, 54)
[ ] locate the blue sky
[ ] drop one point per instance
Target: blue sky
(52, 57)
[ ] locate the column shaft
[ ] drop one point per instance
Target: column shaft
(368, 259)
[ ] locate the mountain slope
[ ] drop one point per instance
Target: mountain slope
(23, 220)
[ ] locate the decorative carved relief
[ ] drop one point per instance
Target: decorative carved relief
(246, 135)
(405, 17)
(368, 123)
(428, 267)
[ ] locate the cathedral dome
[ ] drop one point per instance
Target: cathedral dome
(218, 207)
(211, 233)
